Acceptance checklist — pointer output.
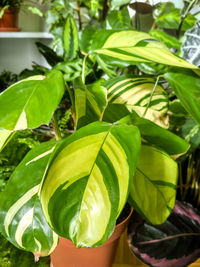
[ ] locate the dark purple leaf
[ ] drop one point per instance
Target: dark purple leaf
(174, 243)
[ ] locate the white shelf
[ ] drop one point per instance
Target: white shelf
(28, 35)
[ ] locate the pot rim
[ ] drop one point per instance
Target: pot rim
(125, 220)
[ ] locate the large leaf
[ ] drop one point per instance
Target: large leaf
(88, 182)
(153, 190)
(21, 219)
(70, 38)
(187, 87)
(175, 243)
(162, 138)
(135, 93)
(191, 45)
(90, 102)
(31, 102)
(132, 46)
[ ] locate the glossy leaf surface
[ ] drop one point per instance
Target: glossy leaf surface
(31, 102)
(135, 93)
(187, 88)
(90, 102)
(174, 243)
(88, 182)
(162, 138)
(21, 219)
(153, 190)
(132, 46)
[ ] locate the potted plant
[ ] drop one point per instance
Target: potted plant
(76, 187)
(9, 11)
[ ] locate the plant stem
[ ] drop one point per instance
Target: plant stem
(79, 16)
(83, 69)
(105, 9)
(56, 128)
(183, 16)
(152, 93)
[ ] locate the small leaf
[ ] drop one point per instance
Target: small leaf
(70, 38)
(187, 88)
(153, 190)
(174, 243)
(167, 39)
(49, 54)
(90, 102)
(118, 19)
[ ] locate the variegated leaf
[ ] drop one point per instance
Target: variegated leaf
(88, 182)
(153, 190)
(31, 102)
(21, 219)
(135, 93)
(70, 38)
(4, 137)
(191, 45)
(90, 102)
(132, 46)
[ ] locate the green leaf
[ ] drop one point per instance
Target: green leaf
(118, 20)
(186, 86)
(167, 39)
(169, 17)
(118, 3)
(35, 11)
(90, 102)
(162, 138)
(71, 69)
(31, 102)
(135, 93)
(11, 256)
(153, 191)
(70, 38)
(92, 171)
(132, 46)
(49, 54)
(21, 219)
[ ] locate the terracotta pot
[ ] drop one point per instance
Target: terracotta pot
(9, 21)
(67, 255)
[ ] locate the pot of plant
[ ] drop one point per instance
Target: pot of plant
(76, 186)
(66, 254)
